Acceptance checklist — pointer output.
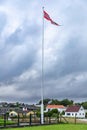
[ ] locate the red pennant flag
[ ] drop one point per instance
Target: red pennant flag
(47, 17)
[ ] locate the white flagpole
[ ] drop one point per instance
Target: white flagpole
(42, 83)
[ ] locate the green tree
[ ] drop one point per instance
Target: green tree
(66, 102)
(45, 101)
(55, 101)
(53, 112)
(84, 104)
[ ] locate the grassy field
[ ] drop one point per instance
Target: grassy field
(54, 127)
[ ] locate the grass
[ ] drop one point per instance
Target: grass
(54, 127)
(7, 122)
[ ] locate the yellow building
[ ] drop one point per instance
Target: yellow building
(13, 114)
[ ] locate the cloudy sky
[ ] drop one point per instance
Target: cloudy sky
(65, 50)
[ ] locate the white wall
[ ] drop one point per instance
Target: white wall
(73, 114)
(59, 109)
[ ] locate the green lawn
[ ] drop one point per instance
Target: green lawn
(7, 122)
(54, 127)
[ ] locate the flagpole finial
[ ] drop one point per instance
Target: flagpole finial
(43, 7)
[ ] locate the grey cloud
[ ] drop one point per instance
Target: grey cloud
(23, 32)
(67, 87)
(18, 67)
(26, 37)
(3, 21)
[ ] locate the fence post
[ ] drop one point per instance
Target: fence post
(44, 119)
(30, 119)
(18, 119)
(40, 118)
(4, 119)
(58, 118)
(49, 119)
(75, 118)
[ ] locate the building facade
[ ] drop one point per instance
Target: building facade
(75, 111)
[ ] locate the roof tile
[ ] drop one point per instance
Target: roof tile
(55, 106)
(73, 109)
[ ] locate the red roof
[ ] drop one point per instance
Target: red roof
(73, 109)
(55, 106)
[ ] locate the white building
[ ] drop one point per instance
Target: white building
(60, 108)
(73, 111)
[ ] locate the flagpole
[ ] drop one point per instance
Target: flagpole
(42, 82)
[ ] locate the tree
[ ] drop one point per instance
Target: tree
(53, 112)
(45, 101)
(55, 101)
(66, 102)
(84, 104)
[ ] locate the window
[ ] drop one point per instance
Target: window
(68, 114)
(48, 109)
